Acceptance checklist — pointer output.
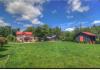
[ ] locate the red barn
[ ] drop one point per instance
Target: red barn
(85, 37)
(24, 36)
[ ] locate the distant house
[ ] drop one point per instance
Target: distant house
(86, 37)
(24, 37)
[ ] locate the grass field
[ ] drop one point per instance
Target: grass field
(50, 55)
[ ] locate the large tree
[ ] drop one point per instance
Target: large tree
(5, 31)
(42, 31)
(57, 31)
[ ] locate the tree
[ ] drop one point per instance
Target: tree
(57, 32)
(13, 33)
(67, 36)
(11, 38)
(42, 32)
(45, 30)
(5, 31)
(96, 29)
(30, 29)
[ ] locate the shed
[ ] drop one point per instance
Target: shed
(51, 38)
(85, 37)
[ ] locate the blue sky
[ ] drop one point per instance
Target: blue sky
(66, 14)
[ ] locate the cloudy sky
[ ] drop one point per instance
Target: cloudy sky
(66, 14)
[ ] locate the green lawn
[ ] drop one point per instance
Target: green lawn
(50, 55)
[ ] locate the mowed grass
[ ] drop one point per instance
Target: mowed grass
(50, 55)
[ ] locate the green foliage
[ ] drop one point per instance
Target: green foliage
(42, 32)
(30, 29)
(67, 36)
(57, 31)
(11, 38)
(14, 30)
(5, 31)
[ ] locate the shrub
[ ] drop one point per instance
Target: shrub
(11, 38)
(3, 41)
(97, 41)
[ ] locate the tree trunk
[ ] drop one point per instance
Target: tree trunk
(1, 44)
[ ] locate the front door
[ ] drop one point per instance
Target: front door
(81, 38)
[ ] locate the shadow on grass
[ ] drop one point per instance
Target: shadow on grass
(98, 42)
(2, 56)
(6, 46)
(3, 49)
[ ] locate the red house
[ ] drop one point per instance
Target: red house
(86, 37)
(24, 36)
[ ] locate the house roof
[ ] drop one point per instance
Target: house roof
(89, 34)
(28, 33)
(23, 33)
(19, 33)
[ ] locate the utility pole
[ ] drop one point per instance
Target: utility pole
(11, 29)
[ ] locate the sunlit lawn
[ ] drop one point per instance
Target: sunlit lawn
(50, 55)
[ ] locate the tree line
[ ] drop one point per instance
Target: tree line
(44, 30)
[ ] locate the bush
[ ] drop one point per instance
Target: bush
(97, 41)
(11, 38)
(3, 41)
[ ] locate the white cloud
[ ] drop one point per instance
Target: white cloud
(28, 25)
(96, 22)
(36, 21)
(3, 23)
(1, 18)
(27, 9)
(70, 29)
(76, 5)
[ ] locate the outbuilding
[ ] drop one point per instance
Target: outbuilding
(51, 38)
(85, 37)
